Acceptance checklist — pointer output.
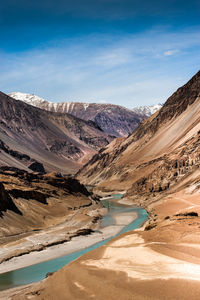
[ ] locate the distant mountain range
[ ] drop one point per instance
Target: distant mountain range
(113, 119)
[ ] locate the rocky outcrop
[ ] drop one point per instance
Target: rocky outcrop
(6, 202)
(37, 167)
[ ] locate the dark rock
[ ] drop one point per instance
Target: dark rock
(29, 194)
(150, 226)
(37, 167)
(84, 231)
(188, 214)
(6, 202)
(49, 274)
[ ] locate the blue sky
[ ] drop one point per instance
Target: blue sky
(126, 52)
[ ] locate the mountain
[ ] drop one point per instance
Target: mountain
(158, 154)
(158, 167)
(113, 119)
(39, 140)
(147, 110)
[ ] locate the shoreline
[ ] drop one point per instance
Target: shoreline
(69, 247)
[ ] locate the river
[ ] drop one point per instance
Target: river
(38, 272)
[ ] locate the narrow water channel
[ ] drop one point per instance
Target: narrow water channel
(38, 272)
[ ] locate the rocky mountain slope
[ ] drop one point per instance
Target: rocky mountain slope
(39, 140)
(113, 119)
(162, 150)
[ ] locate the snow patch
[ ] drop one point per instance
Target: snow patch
(85, 105)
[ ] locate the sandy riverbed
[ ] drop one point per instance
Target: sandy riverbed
(75, 244)
(128, 267)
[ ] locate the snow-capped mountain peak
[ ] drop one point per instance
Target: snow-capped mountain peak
(147, 110)
(28, 98)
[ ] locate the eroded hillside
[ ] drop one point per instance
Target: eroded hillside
(60, 142)
(163, 148)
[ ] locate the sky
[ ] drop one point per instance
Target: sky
(125, 52)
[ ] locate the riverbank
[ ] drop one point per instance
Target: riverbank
(161, 260)
(75, 244)
(124, 218)
(35, 245)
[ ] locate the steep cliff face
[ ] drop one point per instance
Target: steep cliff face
(163, 149)
(113, 119)
(59, 142)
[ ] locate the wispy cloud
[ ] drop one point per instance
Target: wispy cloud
(127, 69)
(170, 52)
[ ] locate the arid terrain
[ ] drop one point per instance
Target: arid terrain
(158, 166)
(100, 150)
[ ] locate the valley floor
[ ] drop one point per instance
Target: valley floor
(157, 262)
(75, 243)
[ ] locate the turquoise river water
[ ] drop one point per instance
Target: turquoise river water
(38, 272)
